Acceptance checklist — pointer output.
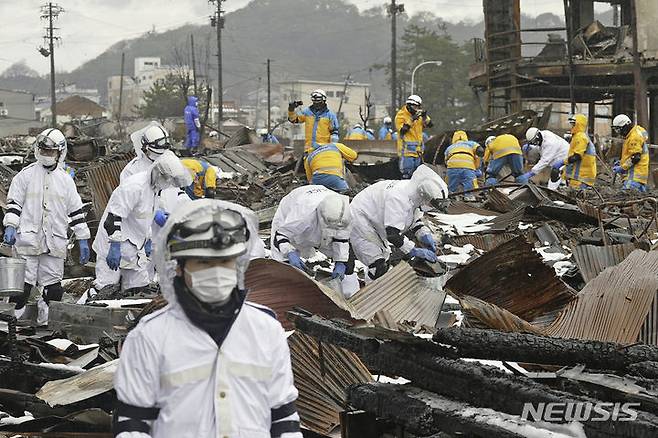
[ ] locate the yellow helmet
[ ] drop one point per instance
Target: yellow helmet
(459, 136)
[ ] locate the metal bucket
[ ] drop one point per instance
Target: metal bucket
(12, 276)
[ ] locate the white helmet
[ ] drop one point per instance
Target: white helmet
(414, 99)
(620, 121)
(155, 139)
(429, 185)
(213, 234)
(357, 126)
(169, 171)
(318, 96)
(489, 140)
(531, 133)
(387, 120)
(49, 146)
(262, 131)
(334, 218)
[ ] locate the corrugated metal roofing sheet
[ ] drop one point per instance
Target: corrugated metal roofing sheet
(103, 178)
(592, 260)
(322, 373)
(485, 242)
(401, 293)
(480, 314)
(239, 161)
(281, 287)
(614, 305)
(513, 277)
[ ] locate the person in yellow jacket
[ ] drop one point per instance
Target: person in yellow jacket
(324, 166)
(320, 123)
(500, 151)
(634, 164)
(204, 178)
(462, 158)
(356, 133)
(410, 121)
(580, 165)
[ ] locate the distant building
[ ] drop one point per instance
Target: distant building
(75, 108)
(353, 97)
(17, 113)
(147, 71)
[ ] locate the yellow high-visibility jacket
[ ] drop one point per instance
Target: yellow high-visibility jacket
(203, 174)
(328, 159)
(462, 155)
(501, 146)
(320, 128)
(583, 171)
(411, 145)
(636, 143)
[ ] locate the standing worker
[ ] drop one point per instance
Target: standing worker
(462, 159)
(356, 133)
(384, 212)
(580, 164)
(193, 125)
(386, 131)
(410, 121)
(320, 123)
(267, 137)
(149, 143)
(500, 151)
(310, 219)
(204, 178)
(552, 149)
(325, 166)
(210, 364)
(42, 204)
(122, 242)
(634, 164)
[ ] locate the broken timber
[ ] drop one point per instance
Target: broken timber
(471, 383)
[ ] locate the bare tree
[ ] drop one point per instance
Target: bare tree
(365, 116)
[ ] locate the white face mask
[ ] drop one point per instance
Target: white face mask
(213, 285)
(45, 160)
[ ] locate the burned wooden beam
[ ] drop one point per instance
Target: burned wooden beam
(424, 413)
(421, 362)
(647, 369)
(524, 347)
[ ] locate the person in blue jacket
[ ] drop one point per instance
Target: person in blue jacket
(386, 131)
(192, 123)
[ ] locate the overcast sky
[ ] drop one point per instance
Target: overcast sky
(88, 27)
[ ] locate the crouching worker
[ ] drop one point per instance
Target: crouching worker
(462, 158)
(210, 364)
(325, 165)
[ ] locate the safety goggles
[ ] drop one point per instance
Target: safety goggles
(160, 143)
(45, 142)
(228, 229)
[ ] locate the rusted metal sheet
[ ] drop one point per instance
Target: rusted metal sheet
(460, 207)
(480, 314)
(507, 222)
(103, 178)
(281, 287)
(592, 260)
(322, 374)
(402, 294)
(485, 242)
(614, 305)
(513, 277)
(649, 331)
(239, 161)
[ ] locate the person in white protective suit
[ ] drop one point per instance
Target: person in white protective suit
(210, 364)
(149, 144)
(552, 149)
(42, 204)
(311, 218)
(384, 211)
(122, 243)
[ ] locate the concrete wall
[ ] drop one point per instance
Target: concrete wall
(647, 37)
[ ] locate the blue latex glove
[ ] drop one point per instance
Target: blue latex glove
(478, 173)
(525, 177)
(491, 182)
(161, 217)
(424, 254)
(618, 169)
(295, 260)
(428, 242)
(147, 248)
(84, 251)
(558, 164)
(339, 270)
(113, 258)
(10, 235)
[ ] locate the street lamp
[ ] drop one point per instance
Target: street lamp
(413, 73)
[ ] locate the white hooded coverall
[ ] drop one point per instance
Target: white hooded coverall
(42, 204)
(141, 162)
(296, 226)
(174, 382)
(393, 203)
(553, 149)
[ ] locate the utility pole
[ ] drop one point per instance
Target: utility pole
(269, 97)
(639, 78)
(123, 60)
(193, 65)
(50, 12)
(393, 11)
(217, 21)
